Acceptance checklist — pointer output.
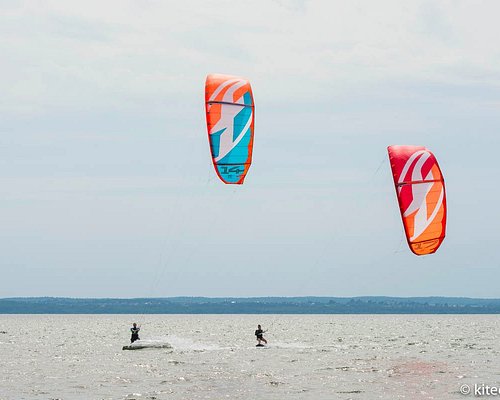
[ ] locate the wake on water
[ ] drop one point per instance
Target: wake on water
(186, 344)
(177, 343)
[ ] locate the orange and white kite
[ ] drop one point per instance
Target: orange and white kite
(421, 196)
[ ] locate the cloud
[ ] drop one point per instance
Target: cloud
(134, 56)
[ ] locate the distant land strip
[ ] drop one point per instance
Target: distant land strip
(251, 305)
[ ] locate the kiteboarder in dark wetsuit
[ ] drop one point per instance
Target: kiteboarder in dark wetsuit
(259, 332)
(135, 333)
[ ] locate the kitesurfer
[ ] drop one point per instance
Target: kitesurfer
(259, 332)
(135, 333)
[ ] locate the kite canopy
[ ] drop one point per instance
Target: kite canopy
(421, 195)
(230, 122)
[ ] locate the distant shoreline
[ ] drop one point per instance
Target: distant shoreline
(251, 305)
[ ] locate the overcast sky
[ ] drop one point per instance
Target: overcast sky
(106, 182)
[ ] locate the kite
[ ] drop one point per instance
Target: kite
(421, 196)
(230, 113)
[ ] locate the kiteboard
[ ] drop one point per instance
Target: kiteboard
(260, 345)
(147, 345)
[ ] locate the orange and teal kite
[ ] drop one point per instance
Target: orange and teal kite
(230, 122)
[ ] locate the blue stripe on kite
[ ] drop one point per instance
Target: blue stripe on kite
(240, 120)
(239, 154)
(247, 99)
(215, 142)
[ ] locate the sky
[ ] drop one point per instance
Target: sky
(106, 182)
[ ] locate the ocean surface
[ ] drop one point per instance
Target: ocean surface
(214, 357)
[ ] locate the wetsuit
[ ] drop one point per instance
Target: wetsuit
(259, 333)
(135, 334)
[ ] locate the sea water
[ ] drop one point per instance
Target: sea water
(214, 357)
